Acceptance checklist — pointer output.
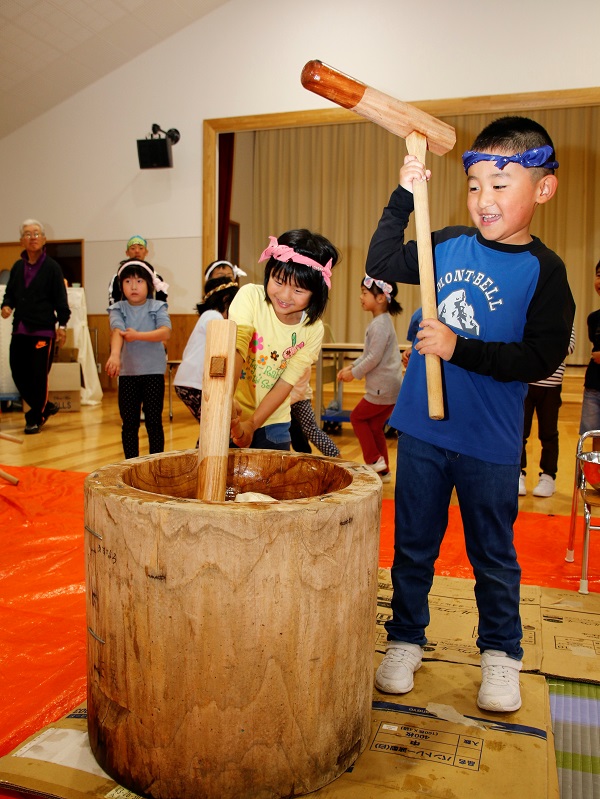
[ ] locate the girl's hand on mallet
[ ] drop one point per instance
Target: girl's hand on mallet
(435, 338)
(241, 433)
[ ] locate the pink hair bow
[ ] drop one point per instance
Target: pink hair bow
(281, 252)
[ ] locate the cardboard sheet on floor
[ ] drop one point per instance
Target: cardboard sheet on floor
(561, 629)
(452, 631)
(570, 635)
(434, 742)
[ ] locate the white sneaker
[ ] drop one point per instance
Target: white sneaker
(546, 486)
(499, 689)
(380, 465)
(395, 672)
(522, 487)
(386, 477)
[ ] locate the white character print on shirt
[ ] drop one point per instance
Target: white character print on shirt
(456, 312)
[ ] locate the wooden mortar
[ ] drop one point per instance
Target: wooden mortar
(230, 645)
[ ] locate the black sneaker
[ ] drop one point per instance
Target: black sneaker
(32, 429)
(50, 409)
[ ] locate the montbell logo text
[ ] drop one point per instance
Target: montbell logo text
(485, 284)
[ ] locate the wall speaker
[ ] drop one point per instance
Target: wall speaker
(155, 153)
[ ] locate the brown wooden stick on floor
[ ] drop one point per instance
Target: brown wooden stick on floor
(8, 437)
(9, 477)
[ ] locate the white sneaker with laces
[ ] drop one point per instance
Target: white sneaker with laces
(545, 487)
(499, 691)
(522, 487)
(380, 465)
(395, 672)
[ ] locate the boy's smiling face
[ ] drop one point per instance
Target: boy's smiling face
(502, 202)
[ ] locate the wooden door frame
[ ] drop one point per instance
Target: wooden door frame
(492, 104)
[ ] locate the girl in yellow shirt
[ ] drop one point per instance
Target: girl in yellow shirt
(279, 334)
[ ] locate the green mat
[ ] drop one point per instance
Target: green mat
(575, 709)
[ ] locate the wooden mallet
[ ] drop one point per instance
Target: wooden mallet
(217, 396)
(422, 132)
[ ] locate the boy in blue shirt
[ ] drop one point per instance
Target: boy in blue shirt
(505, 313)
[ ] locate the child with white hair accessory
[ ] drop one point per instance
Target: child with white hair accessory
(218, 294)
(136, 250)
(223, 268)
(381, 366)
(139, 327)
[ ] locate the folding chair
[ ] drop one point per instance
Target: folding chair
(586, 487)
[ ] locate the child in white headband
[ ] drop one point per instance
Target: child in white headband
(218, 294)
(223, 269)
(145, 270)
(140, 326)
(381, 366)
(136, 252)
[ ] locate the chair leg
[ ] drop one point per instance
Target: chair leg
(570, 557)
(583, 583)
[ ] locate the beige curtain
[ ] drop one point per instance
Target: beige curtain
(337, 179)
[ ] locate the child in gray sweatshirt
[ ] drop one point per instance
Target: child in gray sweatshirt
(381, 366)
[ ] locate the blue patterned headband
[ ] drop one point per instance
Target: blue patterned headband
(537, 156)
(381, 285)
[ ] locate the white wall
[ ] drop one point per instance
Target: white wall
(76, 167)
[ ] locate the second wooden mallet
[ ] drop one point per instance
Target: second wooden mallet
(422, 132)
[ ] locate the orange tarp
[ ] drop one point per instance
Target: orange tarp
(42, 589)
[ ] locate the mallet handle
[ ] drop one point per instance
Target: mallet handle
(417, 145)
(397, 117)
(217, 396)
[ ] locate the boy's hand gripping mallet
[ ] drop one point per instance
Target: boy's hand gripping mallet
(422, 132)
(217, 396)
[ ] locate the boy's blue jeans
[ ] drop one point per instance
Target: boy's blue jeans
(488, 498)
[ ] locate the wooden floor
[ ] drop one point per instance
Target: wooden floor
(91, 438)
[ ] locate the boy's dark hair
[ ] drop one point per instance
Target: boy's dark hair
(319, 249)
(394, 308)
(597, 268)
(136, 271)
(512, 135)
(218, 294)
